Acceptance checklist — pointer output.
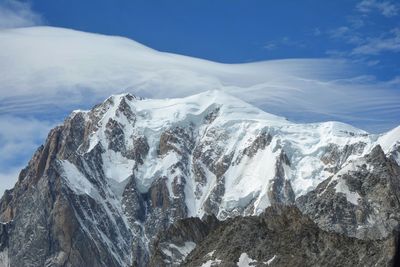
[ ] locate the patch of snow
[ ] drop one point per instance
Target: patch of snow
(250, 179)
(186, 249)
(268, 262)
(211, 263)
(390, 143)
(117, 187)
(77, 181)
(245, 261)
(349, 166)
(167, 252)
(307, 169)
(351, 197)
(210, 254)
(183, 251)
(389, 139)
(116, 166)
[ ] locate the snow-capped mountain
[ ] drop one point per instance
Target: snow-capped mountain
(108, 180)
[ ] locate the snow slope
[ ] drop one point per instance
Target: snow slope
(235, 127)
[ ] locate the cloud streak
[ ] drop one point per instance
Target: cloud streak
(360, 40)
(365, 45)
(386, 43)
(386, 8)
(90, 67)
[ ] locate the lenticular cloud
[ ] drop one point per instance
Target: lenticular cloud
(40, 66)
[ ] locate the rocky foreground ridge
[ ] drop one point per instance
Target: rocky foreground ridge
(110, 181)
(280, 236)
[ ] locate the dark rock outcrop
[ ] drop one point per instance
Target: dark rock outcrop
(282, 236)
(172, 246)
(50, 225)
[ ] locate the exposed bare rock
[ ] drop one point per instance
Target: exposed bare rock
(259, 143)
(361, 200)
(334, 156)
(281, 191)
(281, 236)
(172, 246)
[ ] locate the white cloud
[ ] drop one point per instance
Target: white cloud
(385, 43)
(8, 179)
(386, 8)
(19, 138)
(19, 134)
(65, 69)
(364, 42)
(15, 14)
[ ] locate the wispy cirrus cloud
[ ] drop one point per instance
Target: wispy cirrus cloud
(361, 41)
(386, 8)
(283, 42)
(14, 14)
(388, 42)
(347, 34)
(367, 45)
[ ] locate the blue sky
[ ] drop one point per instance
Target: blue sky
(244, 31)
(319, 35)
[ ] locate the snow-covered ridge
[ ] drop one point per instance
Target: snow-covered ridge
(222, 127)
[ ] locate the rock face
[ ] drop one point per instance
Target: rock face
(172, 246)
(362, 199)
(108, 180)
(50, 224)
(282, 236)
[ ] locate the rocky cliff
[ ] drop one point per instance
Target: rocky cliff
(283, 236)
(361, 200)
